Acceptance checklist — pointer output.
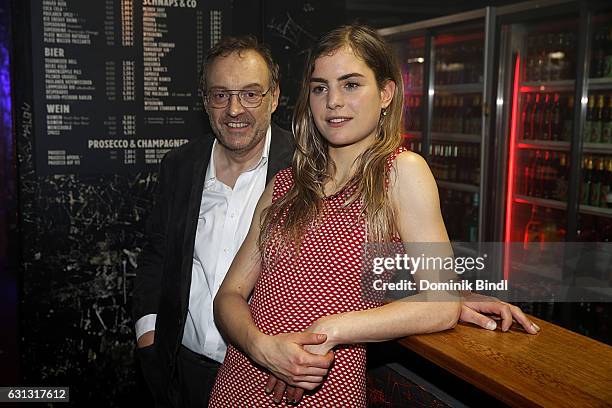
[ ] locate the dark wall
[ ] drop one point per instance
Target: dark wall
(80, 236)
(79, 239)
(8, 202)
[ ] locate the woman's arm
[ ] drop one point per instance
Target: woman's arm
(414, 199)
(283, 354)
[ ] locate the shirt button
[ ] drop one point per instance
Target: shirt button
(232, 215)
(225, 250)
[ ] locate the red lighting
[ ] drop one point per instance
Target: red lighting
(511, 163)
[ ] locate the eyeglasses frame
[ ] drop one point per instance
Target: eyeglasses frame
(237, 92)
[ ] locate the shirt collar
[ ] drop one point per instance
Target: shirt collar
(211, 173)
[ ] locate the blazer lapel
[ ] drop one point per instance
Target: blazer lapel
(191, 224)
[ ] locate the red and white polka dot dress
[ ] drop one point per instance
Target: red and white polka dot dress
(293, 291)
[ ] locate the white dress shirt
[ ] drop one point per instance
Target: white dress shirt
(224, 220)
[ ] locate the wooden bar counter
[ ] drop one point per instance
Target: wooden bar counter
(555, 368)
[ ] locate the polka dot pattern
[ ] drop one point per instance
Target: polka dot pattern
(293, 291)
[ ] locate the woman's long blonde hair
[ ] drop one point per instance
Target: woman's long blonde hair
(302, 203)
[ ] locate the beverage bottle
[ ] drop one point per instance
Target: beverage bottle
(439, 66)
(549, 232)
(416, 117)
(540, 175)
(449, 122)
(532, 230)
(539, 115)
(608, 55)
(524, 181)
(466, 163)
(598, 59)
(475, 179)
(590, 119)
(568, 123)
(547, 118)
(471, 219)
(452, 113)
(544, 177)
(435, 125)
(525, 125)
(606, 127)
(556, 122)
(597, 125)
(587, 181)
(444, 119)
(599, 172)
(476, 115)
(434, 160)
(533, 175)
(445, 156)
(533, 117)
(467, 121)
(463, 52)
(562, 178)
(460, 113)
(444, 66)
(452, 167)
(608, 186)
(550, 175)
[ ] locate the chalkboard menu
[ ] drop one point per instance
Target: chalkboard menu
(115, 81)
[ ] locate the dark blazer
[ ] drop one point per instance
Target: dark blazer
(163, 277)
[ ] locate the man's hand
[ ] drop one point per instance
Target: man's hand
(146, 339)
(294, 394)
(474, 305)
(286, 358)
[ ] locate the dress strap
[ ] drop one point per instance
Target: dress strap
(390, 159)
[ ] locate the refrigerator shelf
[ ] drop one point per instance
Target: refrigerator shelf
(544, 145)
(547, 86)
(604, 148)
(542, 202)
(560, 205)
(459, 88)
(598, 211)
(470, 188)
(600, 83)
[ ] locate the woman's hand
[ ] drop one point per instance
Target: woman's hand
(324, 325)
(285, 356)
(474, 305)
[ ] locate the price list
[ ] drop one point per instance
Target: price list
(115, 82)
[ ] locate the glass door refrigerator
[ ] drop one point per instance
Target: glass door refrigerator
(553, 127)
(444, 69)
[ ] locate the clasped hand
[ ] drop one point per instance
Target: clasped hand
(297, 362)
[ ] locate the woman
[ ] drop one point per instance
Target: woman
(301, 262)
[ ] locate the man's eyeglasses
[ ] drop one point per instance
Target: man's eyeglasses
(249, 98)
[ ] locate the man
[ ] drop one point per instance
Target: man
(206, 198)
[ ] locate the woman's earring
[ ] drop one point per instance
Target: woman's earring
(384, 112)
